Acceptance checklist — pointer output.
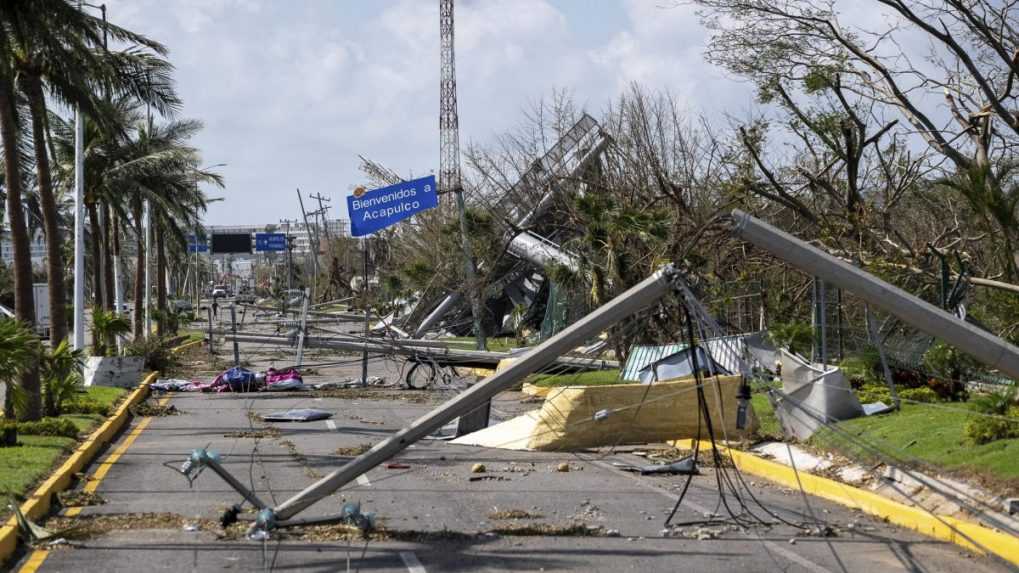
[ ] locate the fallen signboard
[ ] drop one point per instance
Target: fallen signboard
(377, 209)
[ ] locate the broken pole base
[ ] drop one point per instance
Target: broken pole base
(475, 420)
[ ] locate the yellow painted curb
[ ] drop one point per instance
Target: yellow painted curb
(972, 536)
(39, 503)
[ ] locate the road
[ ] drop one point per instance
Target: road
(439, 519)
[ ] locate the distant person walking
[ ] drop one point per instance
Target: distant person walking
(215, 309)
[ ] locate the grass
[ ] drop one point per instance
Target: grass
(504, 344)
(23, 466)
(928, 435)
(592, 378)
(770, 428)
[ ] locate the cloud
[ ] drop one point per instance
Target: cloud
(291, 93)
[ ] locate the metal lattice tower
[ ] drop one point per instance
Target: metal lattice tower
(449, 123)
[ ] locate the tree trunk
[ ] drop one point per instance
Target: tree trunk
(50, 218)
(24, 304)
(161, 283)
(108, 284)
(97, 263)
(139, 273)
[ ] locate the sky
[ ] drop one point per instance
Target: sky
(291, 92)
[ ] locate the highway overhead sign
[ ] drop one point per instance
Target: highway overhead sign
(380, 208)
(270, 242)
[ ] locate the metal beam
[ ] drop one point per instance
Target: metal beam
(640, 296)
(920, 314)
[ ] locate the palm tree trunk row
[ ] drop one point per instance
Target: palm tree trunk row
(24, 303)
(48, 206)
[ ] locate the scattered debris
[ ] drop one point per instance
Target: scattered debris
(300, 458)
(353, 451)
(146, 409)
(478, 469)
(1012, 505)
(370, 393)
(685, 466)
(513, 514)
(397, 466)
(80, 498)
(540, 529)
(563, 467)
(488, 477)
(298, 415)
(261, 433)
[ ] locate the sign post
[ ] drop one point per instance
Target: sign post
(374, 210)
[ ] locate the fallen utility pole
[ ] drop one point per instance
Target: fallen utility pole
(638, 297)
(424, 351)
(918, 313)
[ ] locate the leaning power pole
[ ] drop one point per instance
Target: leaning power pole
(449, 157)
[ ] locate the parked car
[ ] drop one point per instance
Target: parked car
(218, 291)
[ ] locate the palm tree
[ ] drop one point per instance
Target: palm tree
(57, 50)
(10, 137)
(151, 162)
(18, 353)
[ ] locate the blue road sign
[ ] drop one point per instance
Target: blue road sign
(270, 242)
(195, 247)
(380, 208)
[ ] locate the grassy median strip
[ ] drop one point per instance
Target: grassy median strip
(930, 435)
(24, 465)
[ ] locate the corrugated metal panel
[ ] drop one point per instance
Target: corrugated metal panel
(640, 356)
(728, 352)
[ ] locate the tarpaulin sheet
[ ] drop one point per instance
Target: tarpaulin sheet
(576, 417)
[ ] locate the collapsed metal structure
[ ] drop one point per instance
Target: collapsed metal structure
(522, 211)
(991, 350)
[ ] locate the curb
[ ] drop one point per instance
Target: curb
(972, 536)
(38, 504)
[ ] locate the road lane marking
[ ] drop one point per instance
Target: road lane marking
(363, 480)
(36, 559)
(331, 424)
(412, 562)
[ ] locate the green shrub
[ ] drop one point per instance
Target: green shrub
(922, 394)
(874, 393)
(61, 427)
(61, 378)
(983, 429)
(106, 327)
(86, 406)
(997, 419)
(156, 351)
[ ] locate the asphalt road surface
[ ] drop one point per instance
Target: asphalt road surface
(441, 519)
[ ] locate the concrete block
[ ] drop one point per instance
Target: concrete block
(117, 371)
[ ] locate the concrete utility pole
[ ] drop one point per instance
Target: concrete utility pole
(322, 209)
(312, 244)
(920, 314)
(79, 230)
(148, 275)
